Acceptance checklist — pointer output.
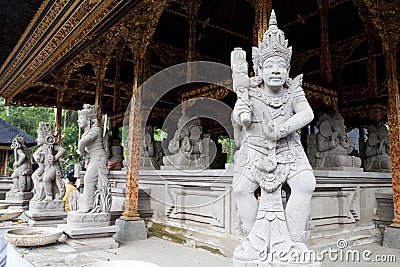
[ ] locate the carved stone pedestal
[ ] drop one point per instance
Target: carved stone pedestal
(237, 263)
(17, 200)
(44, 213)
(92, 229)
(130, 230)
(391, 237)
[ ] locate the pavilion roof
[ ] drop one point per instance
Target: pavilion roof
(9, 131)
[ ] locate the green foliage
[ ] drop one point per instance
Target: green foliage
(159, 134)
(26, 118)
(228, 147)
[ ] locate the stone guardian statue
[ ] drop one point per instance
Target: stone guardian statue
(47, 206)
(47, 179)
(21, 176)
(96, 192)
(269, 110)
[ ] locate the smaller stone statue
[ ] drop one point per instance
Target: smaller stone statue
(114, 152)
(330, 148)
(22, 181)
(377, 150)
(187, 147)
(47, 178)
(147, 148)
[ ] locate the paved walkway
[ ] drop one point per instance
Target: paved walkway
(165, 254)
(168, 254)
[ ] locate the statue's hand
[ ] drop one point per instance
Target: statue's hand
(272, 132)
(241, 106)
(15, 165)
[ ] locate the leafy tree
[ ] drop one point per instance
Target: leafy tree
(26, 118)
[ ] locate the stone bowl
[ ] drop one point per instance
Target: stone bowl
(8, 215)
(33, 236)
(122, 263)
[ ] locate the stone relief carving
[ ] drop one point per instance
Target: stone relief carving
(377, 149)
(330, 148)
(188, 147)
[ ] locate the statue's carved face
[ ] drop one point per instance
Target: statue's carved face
(82, 121)
(275, 72)
(40, 139)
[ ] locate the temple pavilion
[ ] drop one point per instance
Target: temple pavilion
(63, 54)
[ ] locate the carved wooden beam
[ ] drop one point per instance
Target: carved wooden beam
(208, 24)
(192, 8)
(326, 95)
(262, 9)
(325, 59)
(117, 88)
(57, 28)
(342, 50)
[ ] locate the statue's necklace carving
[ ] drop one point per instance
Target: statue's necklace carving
(275, 102)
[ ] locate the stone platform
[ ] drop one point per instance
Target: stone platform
(90, 231)
(17, 200)
(46, 213)
(76, 220)
(197, 207)
(391, 237)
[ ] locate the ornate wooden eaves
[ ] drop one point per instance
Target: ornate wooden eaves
(215, 91)
(376, 112)
(326, 95)
(58, 29)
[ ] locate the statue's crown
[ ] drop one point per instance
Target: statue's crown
(45, 129)
(273, 44)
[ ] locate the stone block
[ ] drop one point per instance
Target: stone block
(78, 220)
(44, 223)
(88, 232)
(391, 237)
(90, 244)
(47, 206)
(43, 216)
(130, 230)
(18, 196)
